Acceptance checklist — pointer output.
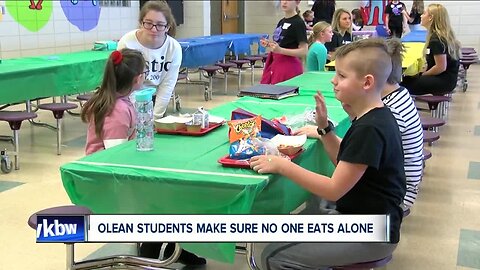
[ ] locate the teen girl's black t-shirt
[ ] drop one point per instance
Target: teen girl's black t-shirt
(375, 140)
(436, 47)
(290, 32)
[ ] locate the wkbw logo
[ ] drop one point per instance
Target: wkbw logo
(63, 229)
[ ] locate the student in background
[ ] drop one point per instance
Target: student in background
(288, 46)
(413, 19)
(317, 52)
(323, 10)
(442, 52)
(342, 30)
(394, 18)
(369, 176)
(357, 20)
(163, 54)
(398, 99)
(308, 18)
(109, 113)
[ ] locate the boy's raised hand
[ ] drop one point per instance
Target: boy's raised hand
(321, 114)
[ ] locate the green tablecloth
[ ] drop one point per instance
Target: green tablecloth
(311, 82)
(182, 174)
(54, 75)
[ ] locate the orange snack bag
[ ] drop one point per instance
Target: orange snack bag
(244, 128)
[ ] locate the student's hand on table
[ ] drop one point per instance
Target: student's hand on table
(267, 163)
(309, 130)
(321, 114)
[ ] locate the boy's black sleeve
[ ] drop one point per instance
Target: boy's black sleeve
(364, 146)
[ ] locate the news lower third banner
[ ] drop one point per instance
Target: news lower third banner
(213, 228)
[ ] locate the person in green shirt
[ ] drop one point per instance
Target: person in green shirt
(317, 52)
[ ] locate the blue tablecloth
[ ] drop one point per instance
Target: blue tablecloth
(201, 51)
(415, 36)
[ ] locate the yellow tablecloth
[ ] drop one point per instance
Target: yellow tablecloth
(412, 62)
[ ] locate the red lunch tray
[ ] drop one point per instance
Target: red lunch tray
(203, 131)
(226, 161)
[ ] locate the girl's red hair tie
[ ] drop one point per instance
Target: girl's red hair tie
(117, 57)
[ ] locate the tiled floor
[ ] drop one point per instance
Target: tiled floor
(442, 232)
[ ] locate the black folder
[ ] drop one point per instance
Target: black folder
(269, 91)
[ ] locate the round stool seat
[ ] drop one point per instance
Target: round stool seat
(210, 70)
(253, 59)
(59, 210)
(430, 136)
(264, 57)
(57, 108)
(225, 66)
(431, 122)
(10, 116)
(365, 265)
(467, 50)
(84, 97)
(15, 119)
(240, 63)
(472, 56)
(433, 101)
(426, 154)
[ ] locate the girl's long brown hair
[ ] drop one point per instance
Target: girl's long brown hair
(117, 81)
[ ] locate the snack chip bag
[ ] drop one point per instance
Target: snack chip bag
(243, 138)
(244, 128)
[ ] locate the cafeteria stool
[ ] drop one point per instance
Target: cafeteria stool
(253, 60)
(239, 64)
(466, 65)
(176, 98)
(84, 97)
(431, 123)
(430, 137)
(15, 120)
(111, 262)
(433, 102)
(58, 110)
(225, 67)
(468, 50)
(59, 211)
(365, 265)
(211, 71)
(426, 154)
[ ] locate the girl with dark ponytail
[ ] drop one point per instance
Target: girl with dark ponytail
(109, 113)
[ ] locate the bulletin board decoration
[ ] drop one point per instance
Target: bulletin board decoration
(84, 14)
(33, 14)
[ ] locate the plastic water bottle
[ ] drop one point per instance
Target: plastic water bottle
(144, 125)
